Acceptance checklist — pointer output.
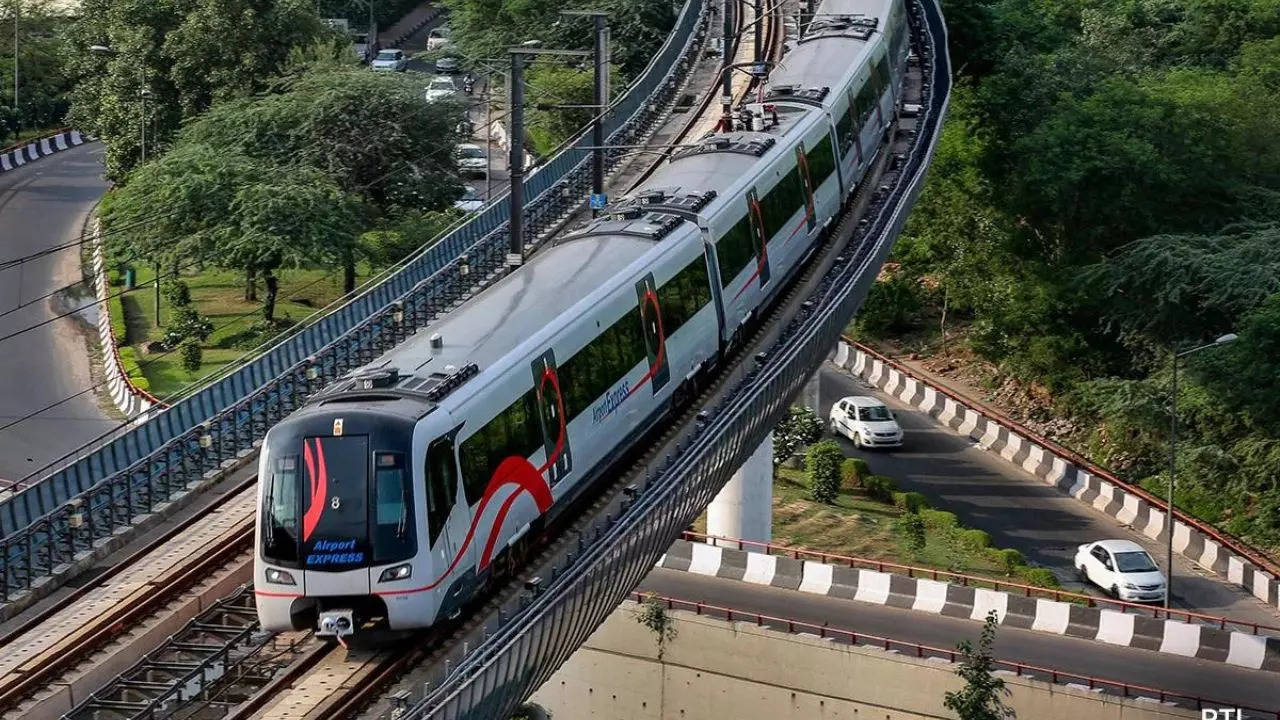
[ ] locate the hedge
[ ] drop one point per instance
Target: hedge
(132, 370)
(938, 519)
(880, 487)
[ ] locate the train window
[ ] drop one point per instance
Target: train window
(781, 203)
(735, 251)
(822, 161)
(881, 75)
(684, 295)
(393, 528)
(280, 512)
(866, 101)
(442, 486)
(513, 432)
(602, 363)
(847, 127)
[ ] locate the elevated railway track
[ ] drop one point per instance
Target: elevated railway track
(518, 633)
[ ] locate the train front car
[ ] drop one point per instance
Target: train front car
(339, 524)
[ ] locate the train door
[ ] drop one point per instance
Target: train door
(551, 418)
(335, 521)
(442, 496)
(654, 336)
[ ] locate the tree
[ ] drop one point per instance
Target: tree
(42, 80)
(982, 697)
(234, 212)
(186, 53)
(822, 466)
(800, 427)
(192, 355)
(551, 85)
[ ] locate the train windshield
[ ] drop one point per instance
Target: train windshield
(392, 509)
(281, 511)
(335, 492)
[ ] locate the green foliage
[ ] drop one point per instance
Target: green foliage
(982, 697)
(187, 324)
(879, 487)
(1103, 190)
(132, 368)
(1040, 577)
(822, 467)
(975, 539)
(551, 85)
(177, 293)
(1008, 558)
(653, 615)
(192, 355)
(187, 53)
(912, 529)
(42, 79)
(852, 472)
(411, 231)
(800, 427)
(912, 502)
(939, 519)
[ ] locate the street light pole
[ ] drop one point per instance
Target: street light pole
(602, 101)
(1173, 454)
(515, 159)
(17, 10)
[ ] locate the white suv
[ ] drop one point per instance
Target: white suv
(866, 421)
(1123, 569)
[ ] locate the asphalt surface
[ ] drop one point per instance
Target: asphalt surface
(42, 205)
(1203, 678)
(1017, 509)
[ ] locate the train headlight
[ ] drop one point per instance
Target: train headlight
(279, 577)
(399, 572)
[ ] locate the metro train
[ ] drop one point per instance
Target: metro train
(390, 498)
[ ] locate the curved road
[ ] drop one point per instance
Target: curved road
(42, 205)
(1191, 676)
(1017, 509)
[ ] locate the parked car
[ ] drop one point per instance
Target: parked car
(866, 421)
(390, 60)
(1123, 569)
(470, 200)
(450, 65)
(440, 88)
(471, 159)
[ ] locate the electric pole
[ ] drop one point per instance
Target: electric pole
(515, 159)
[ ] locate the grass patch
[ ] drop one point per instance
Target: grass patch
(861, 526)
(219, 296)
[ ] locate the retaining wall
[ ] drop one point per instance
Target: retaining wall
(712, 670)
(36, 149)
(131, 401)
(1114, 627)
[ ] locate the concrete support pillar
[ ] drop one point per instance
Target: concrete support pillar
(744, 508)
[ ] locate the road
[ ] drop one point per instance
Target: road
(1204, 678)
(44, 204)
(1017, 509)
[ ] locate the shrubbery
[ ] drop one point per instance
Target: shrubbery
(822, 466)
(880, 487)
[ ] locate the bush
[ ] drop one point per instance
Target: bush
(131, 368)
(913, 533)
(912, 502)
(1007, 558)
(187, 324)
(192, 355)
(800, 427)
(119, 328)
(938, 519)
(822, 465)
(974, 539)
(177, 293)
(852, 471)
(1040, 577)
(880, 487)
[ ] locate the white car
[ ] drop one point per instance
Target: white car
(438, 39)
(440, 88)
(1123, 569)
(470, 200)
(866, 421)
(390, 60)
(471, 159)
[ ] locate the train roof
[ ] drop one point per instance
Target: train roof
(488, 326)
(817, 61)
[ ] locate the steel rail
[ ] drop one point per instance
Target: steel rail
(854, 637)
(120, 619)
(1222, 537)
